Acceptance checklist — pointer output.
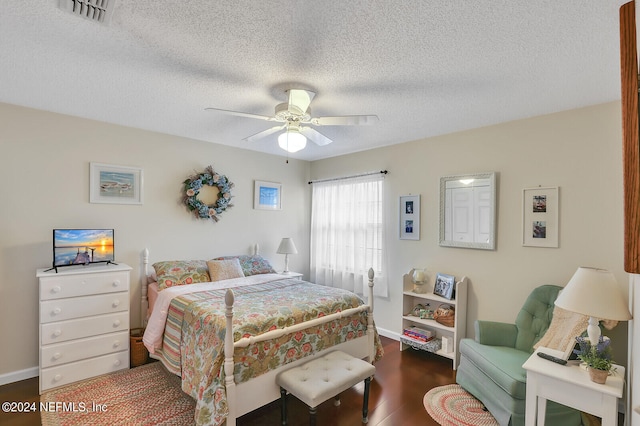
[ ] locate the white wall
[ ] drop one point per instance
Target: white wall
(44, 180)
(580, 151)
(44, 184)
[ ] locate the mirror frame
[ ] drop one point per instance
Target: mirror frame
(491, 245)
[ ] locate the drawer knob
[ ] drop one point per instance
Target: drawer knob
(116, 283)
(117, 363)
(116, 343)
(56, 289)
(57, 333)
(57, 310)
(116, 323)
(116, 303)
(57, 355)
(57, 377)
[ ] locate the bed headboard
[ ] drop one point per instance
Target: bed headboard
(144, 285)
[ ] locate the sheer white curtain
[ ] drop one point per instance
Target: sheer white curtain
(347, 235)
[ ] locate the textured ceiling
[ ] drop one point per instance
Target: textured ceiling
(425, 68)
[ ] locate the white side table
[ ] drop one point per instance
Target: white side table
(292, 274)
(570, 385)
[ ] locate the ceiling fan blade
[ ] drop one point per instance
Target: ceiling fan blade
(242, 114)
(345, 120)
(263, 134)
(315, 136)
(299, 100)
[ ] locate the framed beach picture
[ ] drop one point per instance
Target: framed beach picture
(540, 217)
(267, 195)
(115, 184)
(410, 217)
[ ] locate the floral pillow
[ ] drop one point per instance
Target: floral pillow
(181, 272)
(225, 269)
(252, 265)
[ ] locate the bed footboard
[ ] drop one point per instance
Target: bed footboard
(230, 345)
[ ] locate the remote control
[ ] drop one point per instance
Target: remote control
(552, 358)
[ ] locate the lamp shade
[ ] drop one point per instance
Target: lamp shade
(292, 140)
(595, 293)
(287, 247)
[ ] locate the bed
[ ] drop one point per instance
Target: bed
(278, 322)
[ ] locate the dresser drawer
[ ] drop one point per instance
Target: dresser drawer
(84, 327)
(69, 373)
(78, 307)
(58, 287)
(75, 350)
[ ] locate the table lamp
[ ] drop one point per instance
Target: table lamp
(287, 247)
(595, 293)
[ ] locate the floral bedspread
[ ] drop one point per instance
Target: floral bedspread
(193, 343)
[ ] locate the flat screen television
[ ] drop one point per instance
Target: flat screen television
(82, 247)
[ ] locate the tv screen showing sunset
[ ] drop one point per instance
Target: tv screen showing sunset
(82, 246)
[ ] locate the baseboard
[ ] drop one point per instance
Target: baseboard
(390, 334)
(16, 376)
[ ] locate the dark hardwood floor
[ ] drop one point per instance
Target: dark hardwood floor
(402, 378)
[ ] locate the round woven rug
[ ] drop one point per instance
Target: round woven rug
(451, 405)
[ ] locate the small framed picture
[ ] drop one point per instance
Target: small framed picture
(115, 184)
(267, 195)
(540, 209)
(445, 286)
(410, 217)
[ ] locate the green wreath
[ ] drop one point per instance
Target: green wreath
(192, 188)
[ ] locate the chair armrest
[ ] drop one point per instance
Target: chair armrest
(496, 333)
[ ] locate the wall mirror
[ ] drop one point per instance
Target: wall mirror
(468, 211)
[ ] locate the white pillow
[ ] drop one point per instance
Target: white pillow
(224, 269)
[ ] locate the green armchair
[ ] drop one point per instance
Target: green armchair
(491, 365)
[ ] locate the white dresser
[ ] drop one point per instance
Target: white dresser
(84, 323)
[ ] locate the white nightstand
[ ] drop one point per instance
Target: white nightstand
(570, 385)
(292, 274)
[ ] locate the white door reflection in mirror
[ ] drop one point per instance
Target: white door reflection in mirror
(467, 211)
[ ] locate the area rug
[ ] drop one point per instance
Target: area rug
(146, 395)
(451, 405)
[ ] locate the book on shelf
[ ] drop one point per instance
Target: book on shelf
(418, 334)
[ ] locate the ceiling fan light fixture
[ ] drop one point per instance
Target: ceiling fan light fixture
(292, 140)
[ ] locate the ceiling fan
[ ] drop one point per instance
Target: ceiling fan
(295, 118)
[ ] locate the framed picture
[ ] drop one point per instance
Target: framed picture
(115, 184)
(267, 195)
(445, 286)
(540, 208)
(410, 217)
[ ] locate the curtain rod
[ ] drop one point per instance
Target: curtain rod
(384, 172)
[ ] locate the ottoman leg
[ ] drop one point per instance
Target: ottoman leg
(283, 405)
(365, 403)
(312, 415)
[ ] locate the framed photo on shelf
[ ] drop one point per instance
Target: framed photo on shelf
(410, 217)
(445, 286)
(112, 184)
(267, 195)
(540, 208)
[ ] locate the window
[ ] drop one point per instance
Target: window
(347, 233)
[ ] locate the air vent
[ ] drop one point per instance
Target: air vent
(94, 10)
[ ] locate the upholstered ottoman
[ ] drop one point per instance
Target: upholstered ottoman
(325, 377)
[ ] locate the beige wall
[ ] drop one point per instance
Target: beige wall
(44, 179)
(44, 184)
(579, 151)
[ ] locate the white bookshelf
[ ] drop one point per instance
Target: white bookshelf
(409, 301)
